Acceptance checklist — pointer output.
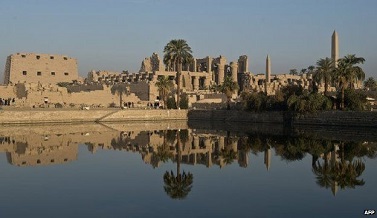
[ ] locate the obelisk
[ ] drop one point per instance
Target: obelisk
(335, 48)
(268, 69)
(268, 74)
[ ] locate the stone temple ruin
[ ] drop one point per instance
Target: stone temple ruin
(32, 80)
(197, 78)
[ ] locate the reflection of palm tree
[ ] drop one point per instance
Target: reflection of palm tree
(343, 174)
(323, 174)
(346, 173)
(163, 153)
(228, 155)
(292, 150)
(178, 187)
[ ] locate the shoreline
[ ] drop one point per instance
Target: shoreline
(14, 116)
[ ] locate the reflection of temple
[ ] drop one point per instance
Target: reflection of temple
(198, 148)
(40, 145)
(33, 150)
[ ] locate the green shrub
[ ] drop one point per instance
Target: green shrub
(171, 104)
(354, 99)
(183, 102)
(58, 105)
(112, 105)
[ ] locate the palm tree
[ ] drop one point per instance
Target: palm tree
(311, 69)
(119, 89)
(163, 153)
(178, 187)
(177, 51)
(169, 63)
(228, 88)
(324, 72)
(164, 86)
(370, 84)
(347, 73)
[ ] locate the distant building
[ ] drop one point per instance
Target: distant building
(40, 68)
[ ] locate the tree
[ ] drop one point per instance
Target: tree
(347, 73)
(355, 100)
(228, 88)
(311, 69)
(293, 71)
(370, 84)
(119, 89)
(184, 102)
(303, 70)
(164, 86)
(177, 51)
(179, 186)
(324, 72)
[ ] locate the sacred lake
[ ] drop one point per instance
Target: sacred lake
(180, 169)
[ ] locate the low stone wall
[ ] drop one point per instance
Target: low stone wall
(236, 116)
(143, 115)
(326, 118)
(338, 118)
(74, 116)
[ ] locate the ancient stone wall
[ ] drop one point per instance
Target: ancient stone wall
(48, 95)
(243, 64)
(236, 116)
(42, 68)
(75, 116)
(324, 118)
(151, 64)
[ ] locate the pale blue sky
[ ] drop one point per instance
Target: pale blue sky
(116, 35)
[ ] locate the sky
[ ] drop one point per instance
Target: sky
(117, 35)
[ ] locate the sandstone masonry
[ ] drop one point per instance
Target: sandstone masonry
(40, 68)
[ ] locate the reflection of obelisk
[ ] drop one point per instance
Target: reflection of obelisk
(268, 73)
(267, 158)
(335, 48)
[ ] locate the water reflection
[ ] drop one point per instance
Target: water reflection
(336, 164)
(179, 186)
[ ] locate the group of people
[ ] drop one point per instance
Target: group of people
(155, 105)
(7, 101)
(128, 104)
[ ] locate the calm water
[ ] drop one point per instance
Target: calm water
(137, 170)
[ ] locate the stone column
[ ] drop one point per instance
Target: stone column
(209, 159)
(196, 142)
(234, 70)
(221, 142)
(221, 74)
(209, 64)
(194, 158)
(207, 144)
(194, 65)
(196, 83)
